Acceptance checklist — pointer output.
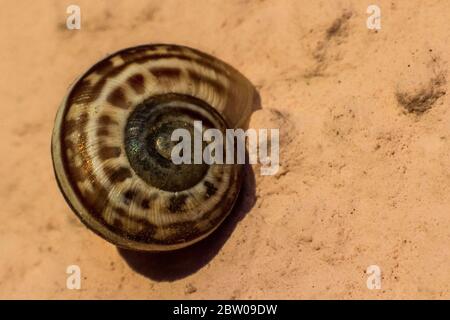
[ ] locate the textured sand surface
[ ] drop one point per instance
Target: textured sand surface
(365, 147)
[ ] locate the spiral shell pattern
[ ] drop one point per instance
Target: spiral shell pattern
(110, 124)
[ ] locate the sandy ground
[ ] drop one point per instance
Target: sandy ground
(365, 146)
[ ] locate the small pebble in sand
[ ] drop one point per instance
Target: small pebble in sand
(190, 288)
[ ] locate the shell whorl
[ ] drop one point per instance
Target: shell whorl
(98, 133)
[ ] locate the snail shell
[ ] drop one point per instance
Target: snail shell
(110, 145)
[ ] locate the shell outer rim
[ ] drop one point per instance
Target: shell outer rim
(76, 205)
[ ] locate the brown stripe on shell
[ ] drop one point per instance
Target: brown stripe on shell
(102, 132)
(146, 235)
(117, 223)
(104, 66)
(177, 203)
(201, 62)
(118, 99)
(136, 54)
(166, 72)
(107, 152)
(106, 120)
(117, 175)
(137, 83)
(230, 194)
(211, 189)
(170, 48)
(146, 202)
(129, 195)
(81, 93)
